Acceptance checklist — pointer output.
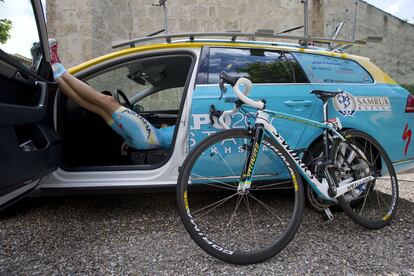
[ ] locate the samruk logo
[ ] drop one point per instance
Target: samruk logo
(345, 104)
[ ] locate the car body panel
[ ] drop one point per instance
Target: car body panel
(292, 99)
(166, 175)
(194, 123)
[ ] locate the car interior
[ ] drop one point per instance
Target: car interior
(154, 87)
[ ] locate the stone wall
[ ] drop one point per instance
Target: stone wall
(394, 54)
(86, 28)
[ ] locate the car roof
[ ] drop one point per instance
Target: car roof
(379, 75)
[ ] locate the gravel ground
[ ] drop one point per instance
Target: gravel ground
(142, 234)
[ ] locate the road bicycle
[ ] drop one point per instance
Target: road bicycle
(240, 192)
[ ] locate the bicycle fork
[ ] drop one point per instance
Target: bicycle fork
(250, 163)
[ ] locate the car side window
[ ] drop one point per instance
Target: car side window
(151, 83)
(168, 99)
(325, 69)
(260, 66)
(118, 78)
(19, 36)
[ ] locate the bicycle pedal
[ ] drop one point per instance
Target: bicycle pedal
(328, 213)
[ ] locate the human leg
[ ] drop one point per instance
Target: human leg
(89, 94)
(84, 91)
(135, 129)
(70, 93)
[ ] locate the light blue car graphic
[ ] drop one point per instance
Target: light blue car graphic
(374, 108)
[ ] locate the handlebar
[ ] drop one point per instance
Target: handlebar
(236, 82)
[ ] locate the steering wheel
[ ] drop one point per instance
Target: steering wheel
(119, 92)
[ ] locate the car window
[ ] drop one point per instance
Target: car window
(260, 66)
(168, 99)
(154, 83)
(118, 78)
(324, 69)
(19, 36)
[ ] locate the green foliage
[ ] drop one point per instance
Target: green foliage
(266, 72)
(409, 87)
(5, 27)
(273, 72)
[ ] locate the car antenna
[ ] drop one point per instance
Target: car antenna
(291, 30)
(162, 3)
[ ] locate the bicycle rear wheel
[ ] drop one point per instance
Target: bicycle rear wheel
(234, 226)
(371, 205)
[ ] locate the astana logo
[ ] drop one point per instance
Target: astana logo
(345, 104)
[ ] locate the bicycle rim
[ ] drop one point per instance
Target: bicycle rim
(372, 205)
(238, 227)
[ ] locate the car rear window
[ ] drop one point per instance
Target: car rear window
(324, 69)
(259, 65)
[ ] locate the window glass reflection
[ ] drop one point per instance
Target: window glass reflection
(18, 32)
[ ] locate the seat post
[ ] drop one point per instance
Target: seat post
(325, 131)
(325, 110)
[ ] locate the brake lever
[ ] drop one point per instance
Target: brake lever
(223, 89)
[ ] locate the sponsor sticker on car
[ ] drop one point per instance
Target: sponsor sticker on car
(347, 104)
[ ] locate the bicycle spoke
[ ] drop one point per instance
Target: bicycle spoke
(365, 146)
(220, 218)
(269, 208)
(370, 200)
(239, 199)
(233, 187)
(225, 162)
(386, 204)
(370, 154)
(365, 199)
(379, 203)
(367, 206)
(251, 221)
(373, 163)
(257, 188)
(215, 204)
(271, 189)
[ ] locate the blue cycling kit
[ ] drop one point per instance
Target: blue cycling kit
(138, 132)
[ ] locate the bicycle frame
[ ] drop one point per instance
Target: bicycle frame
(263, 122)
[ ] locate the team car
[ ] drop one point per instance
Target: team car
(52, 146)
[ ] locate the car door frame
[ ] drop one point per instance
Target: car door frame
(15, 188)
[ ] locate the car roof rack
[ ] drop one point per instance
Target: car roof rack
(304, 41)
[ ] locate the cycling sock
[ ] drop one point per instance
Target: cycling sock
(166, 135)
(58, 70)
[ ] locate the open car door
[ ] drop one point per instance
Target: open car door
(29, 147)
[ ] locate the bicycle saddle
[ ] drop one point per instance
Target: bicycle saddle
(325, 95)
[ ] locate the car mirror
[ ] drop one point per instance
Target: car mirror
(137, 78)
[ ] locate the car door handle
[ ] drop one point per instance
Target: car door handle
(43, 93)
(298, 103)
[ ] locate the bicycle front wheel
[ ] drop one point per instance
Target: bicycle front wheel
(373, 204)
(240, 227)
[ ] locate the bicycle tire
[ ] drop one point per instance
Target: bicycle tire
(205, 234)
(369, 159)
